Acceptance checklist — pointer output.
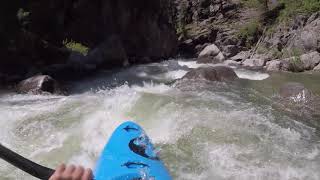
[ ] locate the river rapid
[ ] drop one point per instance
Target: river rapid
(202, 130)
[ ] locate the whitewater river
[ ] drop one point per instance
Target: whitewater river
(204, 131)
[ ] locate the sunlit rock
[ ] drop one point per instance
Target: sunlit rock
(40, 84)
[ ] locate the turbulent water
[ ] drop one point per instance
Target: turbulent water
(203, 131)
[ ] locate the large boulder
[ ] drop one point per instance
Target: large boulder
(39, 84)
(108, 54)
(210, 50)
(274, 65)
(310, 60)
(216, 73)
(308, 38)
(241, 56)
(65, 72)
(231, 50)
(301, 63)
(211, 54)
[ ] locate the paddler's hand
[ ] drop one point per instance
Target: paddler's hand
(71, 172)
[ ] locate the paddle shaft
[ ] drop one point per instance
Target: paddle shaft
(24, 164)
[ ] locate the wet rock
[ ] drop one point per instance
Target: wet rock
(40, 84)
(299, 102)
(108, 54)
(216, 73)
(211, 50)
(317, 68)
(241, 56)
(295, 92)
(69, 71)
(274, 65)
(231, 50)
(211, 59)
(254, 62)
(231, 63)
(211, 54)
(310, 60)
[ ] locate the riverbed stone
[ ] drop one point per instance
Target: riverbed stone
(254, 62)
(274, 65)
(231, 63)
(211, 54)
(310, 60)
(210, 50)
(216, 73)
(219, 58)
(39, 84)
(231, 50)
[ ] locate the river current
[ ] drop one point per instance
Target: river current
(202, 130)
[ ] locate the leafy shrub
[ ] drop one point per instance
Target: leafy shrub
(250, 32)
(75, 46)
(295, 64)
(21, 14)
(293, 52)
(295, 7)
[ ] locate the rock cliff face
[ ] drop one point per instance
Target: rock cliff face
(142, 27)
(141, 30)
(264, 31)
(203, 22)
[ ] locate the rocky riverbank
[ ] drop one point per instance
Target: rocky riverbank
(249, 35)
(74, 39)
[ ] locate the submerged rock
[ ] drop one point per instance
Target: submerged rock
(300, 102)
(217, 73)
(38, 85)
(295, 92)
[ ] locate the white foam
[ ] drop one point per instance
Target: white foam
(252, 75)
(190, 64)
